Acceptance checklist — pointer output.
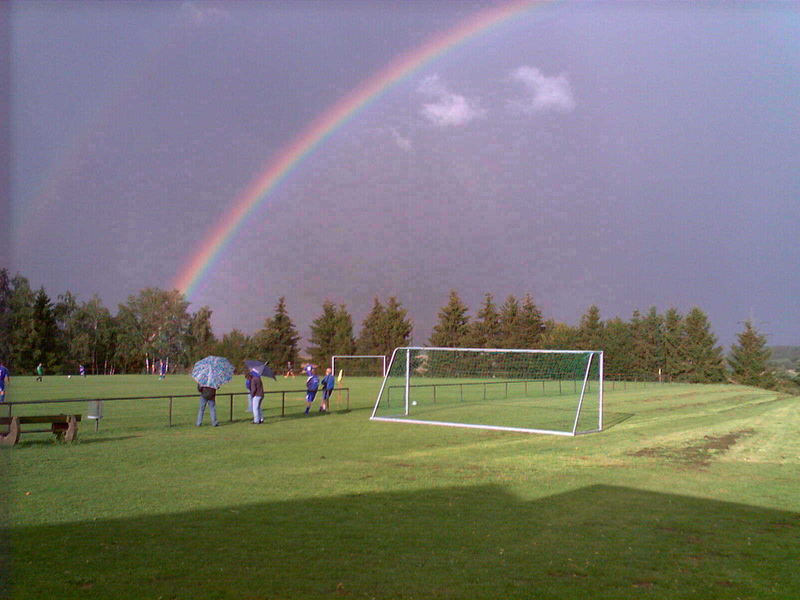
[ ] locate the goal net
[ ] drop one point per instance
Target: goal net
(535, 391)
(359, 365)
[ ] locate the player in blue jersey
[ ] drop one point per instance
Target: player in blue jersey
(328, 383)
(312, 384)
(4, 379)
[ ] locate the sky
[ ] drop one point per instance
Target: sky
(625, 155)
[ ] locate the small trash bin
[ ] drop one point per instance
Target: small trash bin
(95, 412)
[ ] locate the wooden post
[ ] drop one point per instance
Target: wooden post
(12, 437)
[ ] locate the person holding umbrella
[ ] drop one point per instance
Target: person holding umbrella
(208, 397)
(257, 369)
(257, 394)
(210, 373)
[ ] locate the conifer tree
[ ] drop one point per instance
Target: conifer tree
(398, 327)
(510, 333)
(331, 333)
(343, 340)
(373, 332)
(531, 324)
(323, 330)
(559, 336)
(43, 331)
(749, 359)
(648, 344)
(617, 349)
(452, 330)
(674, 345)
(590, 330)
(277, 341)
(485, 331)
(20, 302)
(704, 361)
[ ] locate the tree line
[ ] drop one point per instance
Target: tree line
(156, 325)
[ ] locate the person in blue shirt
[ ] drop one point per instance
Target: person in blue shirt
(247, 377)
(312, 384)
(4, 379)
(328, 383)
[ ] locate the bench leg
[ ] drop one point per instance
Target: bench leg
(72, 429)
(12, 437)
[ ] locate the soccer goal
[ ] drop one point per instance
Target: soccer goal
(558, 392)
(364, 365)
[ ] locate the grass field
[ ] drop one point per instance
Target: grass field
(692, 492)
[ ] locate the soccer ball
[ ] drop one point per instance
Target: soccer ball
(414, 403)
(69, 376)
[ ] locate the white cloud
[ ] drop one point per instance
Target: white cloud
(403, 142)
(544, 93)
(447, 108)
(203, 13)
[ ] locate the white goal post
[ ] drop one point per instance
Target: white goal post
(359, 356)
(558, 392)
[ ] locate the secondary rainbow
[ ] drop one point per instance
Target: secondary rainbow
(312, 136)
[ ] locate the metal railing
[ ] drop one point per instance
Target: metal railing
(337, 393)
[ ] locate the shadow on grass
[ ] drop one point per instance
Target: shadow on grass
(51, 440)
(465, 542)
(611, 419)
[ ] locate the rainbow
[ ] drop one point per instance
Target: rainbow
(327, 123)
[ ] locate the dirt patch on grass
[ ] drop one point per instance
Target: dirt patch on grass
(698, 454)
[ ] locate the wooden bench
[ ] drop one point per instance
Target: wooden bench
(65, 427)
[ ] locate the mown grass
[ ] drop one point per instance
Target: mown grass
(691, 493)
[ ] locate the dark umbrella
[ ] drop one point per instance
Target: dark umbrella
(261, 369)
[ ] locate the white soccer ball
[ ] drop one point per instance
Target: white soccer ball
(414, 403)
(69, 376)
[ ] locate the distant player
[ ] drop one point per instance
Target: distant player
(163, 370)
(4, 379)
(312, 384)
(289, 369)
(39, 372)
(81, 370)
(328, 383)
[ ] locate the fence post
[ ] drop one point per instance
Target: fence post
(170, 411)
(283, 404)
(231, 418)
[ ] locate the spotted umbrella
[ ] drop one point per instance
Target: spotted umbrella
(212, 371)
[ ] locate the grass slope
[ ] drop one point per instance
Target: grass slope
(690, 493)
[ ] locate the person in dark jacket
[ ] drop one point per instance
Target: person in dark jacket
(257, 395)
(208, 396)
